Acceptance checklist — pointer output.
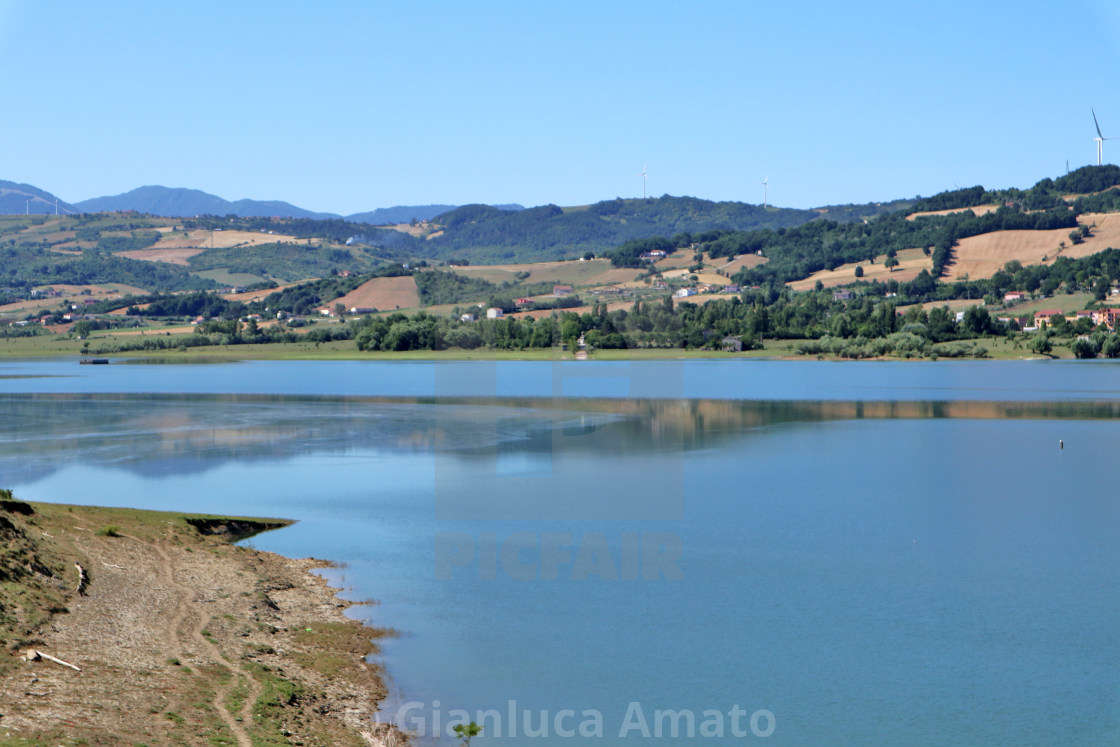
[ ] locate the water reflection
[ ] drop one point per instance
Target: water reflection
(187, 433)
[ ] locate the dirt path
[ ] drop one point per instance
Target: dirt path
(187, 611)
(183, 639)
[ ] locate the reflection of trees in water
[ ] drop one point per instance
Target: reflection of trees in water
(171, 434)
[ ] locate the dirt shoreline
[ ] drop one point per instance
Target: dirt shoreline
(180, 636)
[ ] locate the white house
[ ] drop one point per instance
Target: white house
(494, 313)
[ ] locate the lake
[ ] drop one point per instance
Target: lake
(761, 551)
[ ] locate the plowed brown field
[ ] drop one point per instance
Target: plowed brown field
(383, 294)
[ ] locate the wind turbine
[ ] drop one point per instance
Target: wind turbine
(765, 190)
(645, 178)
(1100, 138)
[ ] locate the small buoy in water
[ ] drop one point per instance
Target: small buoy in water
(1061, 444)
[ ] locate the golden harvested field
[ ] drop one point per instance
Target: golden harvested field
(704, 298)
(910, 263)
(250, 296)
(123, 311)
(183, 330)
(748, 261)
(591, 272)
(1073, 198)
(383, 294)
(176, 256)
(982, 256)
(220, 239)
(543, 313)
(418, 230)
(978, 210)
(711, 277)
(958, 304)
(681, 258)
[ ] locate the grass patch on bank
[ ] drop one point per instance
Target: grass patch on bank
(999, 348)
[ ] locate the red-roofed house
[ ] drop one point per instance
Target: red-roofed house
(1046, 317)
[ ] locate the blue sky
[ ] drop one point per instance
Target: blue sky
(350, 106)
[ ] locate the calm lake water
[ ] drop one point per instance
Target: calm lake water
(823, 553)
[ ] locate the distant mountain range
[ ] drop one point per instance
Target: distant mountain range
(17, 199)
(179, 203)
(406, 213)
(476, 233)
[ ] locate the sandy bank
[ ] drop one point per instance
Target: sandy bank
(180, 636)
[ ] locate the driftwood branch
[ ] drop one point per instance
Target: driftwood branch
(83, 580)
(35, 655)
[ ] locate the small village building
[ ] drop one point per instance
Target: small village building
(684, 293)
(1108, 316)
(468, 318)
(732, 345)
(1046, 317)
(1014, 297)
(562, 290)
(494, 313)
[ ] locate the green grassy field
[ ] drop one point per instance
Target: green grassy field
(1066, 302)
(229, 278)
(48, 346)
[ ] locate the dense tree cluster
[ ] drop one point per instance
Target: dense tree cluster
(137, 240)
(282, 261)
(207, 305)
(796, 253)
(1046, 194)
(32, 266)
(441, 287)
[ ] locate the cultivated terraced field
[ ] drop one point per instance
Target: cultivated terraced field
(978, 210)
(910, 263)
(383, 294)
(592, 272)
(982, 256)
